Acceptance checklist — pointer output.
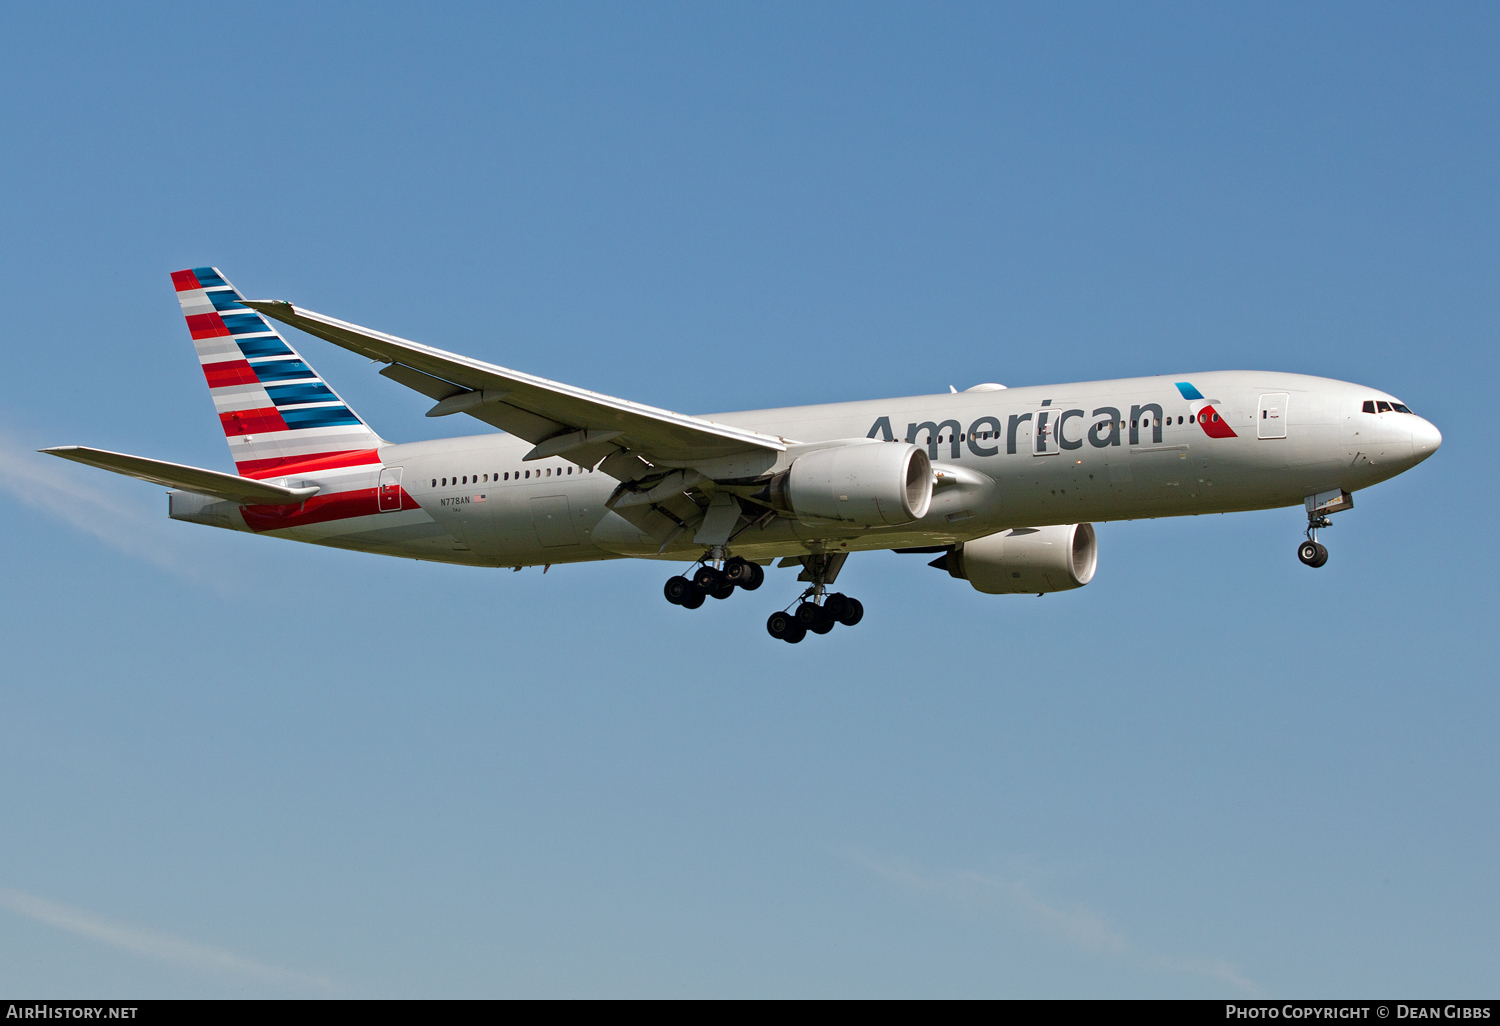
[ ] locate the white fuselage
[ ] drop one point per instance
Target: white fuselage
(1126, 449)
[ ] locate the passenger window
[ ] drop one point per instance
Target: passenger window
(528, 475)
(1400, 409)
(1369, 406)
(570, 471)
(1382, 407)
(434, 482)
(445, 482)
(507, 475)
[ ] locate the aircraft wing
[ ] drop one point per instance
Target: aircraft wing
(190, 479)
(560, 420)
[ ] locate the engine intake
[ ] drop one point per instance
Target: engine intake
(1027, 560)
(863, 482)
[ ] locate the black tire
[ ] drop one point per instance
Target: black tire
(694, 598)
(794, 634)
(676, 588)
(854, 611)
(757, 577)
(778, 624)
(1308, 553)
(1322, 555)
(808, 614)
(835, 604)
(723, 592)
(825, 623)
(709, 579)
(737, 571)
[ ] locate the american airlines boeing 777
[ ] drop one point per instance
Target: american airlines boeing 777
(1000, 484)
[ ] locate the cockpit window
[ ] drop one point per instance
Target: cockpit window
(1381, 406)
(1369, 406)
(1400, 409)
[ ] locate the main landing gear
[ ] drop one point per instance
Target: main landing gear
(1313, 552)
(690, 592)
(815, 610)
(837, 608)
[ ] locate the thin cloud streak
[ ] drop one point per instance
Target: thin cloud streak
(57, 488)
(1086, 930)
(34, 479)
(157, 946)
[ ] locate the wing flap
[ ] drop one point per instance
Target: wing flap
(533, 408)
(228, 487)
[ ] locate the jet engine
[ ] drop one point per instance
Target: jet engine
(1027, 560)
(863, 482)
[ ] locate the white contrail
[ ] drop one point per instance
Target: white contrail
(158, 946)
(44, 483)
(1087, 930)
(107, 507)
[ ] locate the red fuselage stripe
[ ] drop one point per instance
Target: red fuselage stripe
(359, 502)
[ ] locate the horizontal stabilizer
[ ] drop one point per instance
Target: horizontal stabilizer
(229, 487)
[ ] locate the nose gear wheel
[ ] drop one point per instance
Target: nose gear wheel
(1312, 552)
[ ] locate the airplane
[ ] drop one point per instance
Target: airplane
(1002, 485)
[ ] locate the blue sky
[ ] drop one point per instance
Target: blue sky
(236, 766)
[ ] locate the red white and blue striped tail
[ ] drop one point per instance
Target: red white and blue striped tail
(279, 416)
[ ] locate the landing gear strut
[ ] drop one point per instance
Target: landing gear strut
(1312, 552)
(816, 611)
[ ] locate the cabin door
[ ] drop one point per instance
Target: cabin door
(390, 489)
(1270, 419)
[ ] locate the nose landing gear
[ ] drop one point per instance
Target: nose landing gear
(1318, 507)
(1313, 552)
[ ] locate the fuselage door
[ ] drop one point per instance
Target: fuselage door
(1044, 432)
(390, 489)
(553, 520)
(1270, 419)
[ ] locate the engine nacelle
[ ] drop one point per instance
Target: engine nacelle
(863, 482)
(1027, 560)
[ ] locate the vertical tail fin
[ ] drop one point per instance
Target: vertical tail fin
(279, 416)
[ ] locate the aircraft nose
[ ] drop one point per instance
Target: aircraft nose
(1425, 439)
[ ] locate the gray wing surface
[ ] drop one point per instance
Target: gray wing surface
(560, 420)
